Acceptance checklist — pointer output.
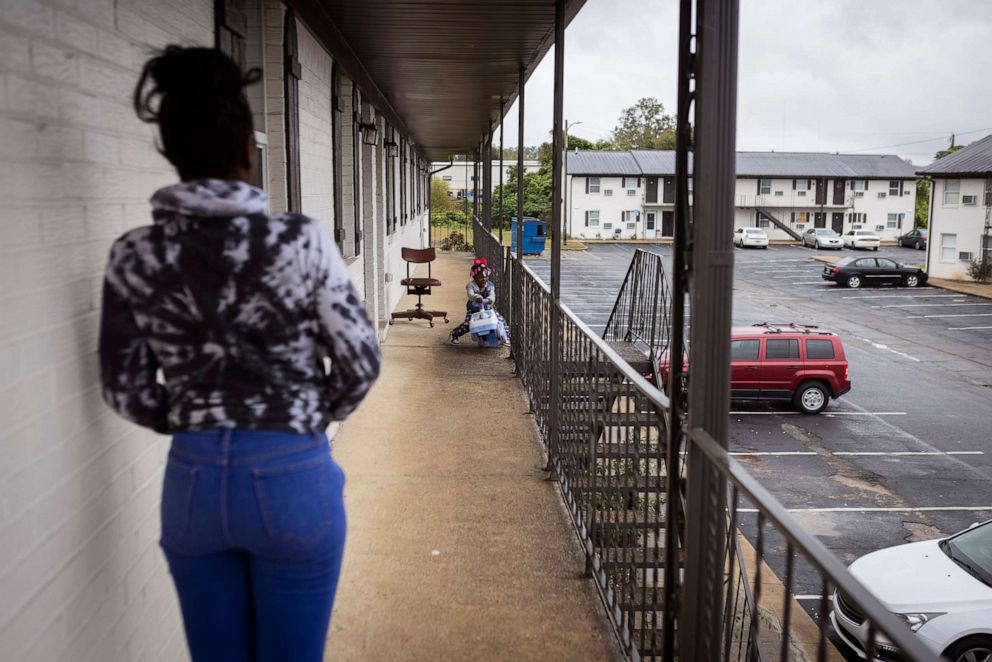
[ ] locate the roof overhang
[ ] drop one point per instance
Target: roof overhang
(439, 70)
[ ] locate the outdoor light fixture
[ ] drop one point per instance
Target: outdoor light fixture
(370, 133)
(392, 148)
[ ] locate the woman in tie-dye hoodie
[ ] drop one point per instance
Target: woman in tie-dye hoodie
(242, 335)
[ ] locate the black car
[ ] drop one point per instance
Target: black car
(858, 271)
(914, 238)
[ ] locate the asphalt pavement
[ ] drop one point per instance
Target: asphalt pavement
(906, 455)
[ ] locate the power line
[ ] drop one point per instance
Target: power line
(917, 142)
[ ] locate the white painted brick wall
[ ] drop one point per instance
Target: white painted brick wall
(81, 574)
(316, 143)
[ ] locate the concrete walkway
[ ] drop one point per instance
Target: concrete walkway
(458, 549)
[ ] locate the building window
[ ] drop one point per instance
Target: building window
(761, 221)
(607, 226)
(857, 219)
(592, 218)
(952, 192)
(630, 182)
(764, 186)
(894, 188)
(948, 247)
(592, 184)
(892, 221)
(800, 217)
(859, 185)
(800, 185)
(630, 218)
(446, 178)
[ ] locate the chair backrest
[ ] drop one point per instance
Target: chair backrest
(418, 255)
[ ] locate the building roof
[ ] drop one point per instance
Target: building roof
(446, 99)
(603, 163)
(749, 164)
(975, 159)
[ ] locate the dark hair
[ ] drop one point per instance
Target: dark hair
(196, 96)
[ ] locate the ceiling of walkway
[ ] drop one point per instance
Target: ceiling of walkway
(438, 69)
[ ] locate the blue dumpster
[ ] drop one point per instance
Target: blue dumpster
(535, 234)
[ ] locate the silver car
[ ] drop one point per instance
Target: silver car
(822, 238)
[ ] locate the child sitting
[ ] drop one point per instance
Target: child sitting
(481, 295)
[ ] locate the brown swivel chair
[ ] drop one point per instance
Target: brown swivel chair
(419, 287)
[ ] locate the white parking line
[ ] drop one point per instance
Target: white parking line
(832, 413)
(968, 328)
(907, 509)
(808, 597)
(854, 453)
(932, 305)
(917, 317)
(894, 296)
(889, 349)
(805, 282)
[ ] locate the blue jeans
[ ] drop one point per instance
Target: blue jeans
(253, 528)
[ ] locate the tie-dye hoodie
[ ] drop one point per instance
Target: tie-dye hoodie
(238, 310)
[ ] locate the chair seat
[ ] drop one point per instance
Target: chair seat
(421, 282)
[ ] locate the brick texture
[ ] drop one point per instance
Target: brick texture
(81, 574)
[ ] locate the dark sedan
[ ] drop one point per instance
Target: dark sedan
(914, 239)
(858, 271)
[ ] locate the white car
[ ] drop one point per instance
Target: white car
(942, 589)
(862, 239)
(750, 237)
(822, 238)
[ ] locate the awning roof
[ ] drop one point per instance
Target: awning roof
(436, 68)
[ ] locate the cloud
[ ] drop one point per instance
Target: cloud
(817, 75)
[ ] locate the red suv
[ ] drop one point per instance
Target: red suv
(786, 362)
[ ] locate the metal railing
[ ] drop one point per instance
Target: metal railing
(642, 311)
(606, 442)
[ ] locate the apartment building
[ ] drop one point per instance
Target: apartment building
(960, 210)
(631, 194)
(460, 176)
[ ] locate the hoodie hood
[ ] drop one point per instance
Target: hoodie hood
(208, 198)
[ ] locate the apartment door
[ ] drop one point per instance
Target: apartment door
(838, 191)
(820, 219)
(667, 224)
(651, 190)
(821, 192)
(668, 191)
(837, 222)
(649, 223)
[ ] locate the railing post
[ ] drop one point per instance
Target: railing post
(712, 280)
(554, 404)
(487, 182)
(520, 163)
(680, 286)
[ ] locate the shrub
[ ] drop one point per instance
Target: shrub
(455, 242)
(980, 270)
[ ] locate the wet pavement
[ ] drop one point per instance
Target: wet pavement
(906, 455)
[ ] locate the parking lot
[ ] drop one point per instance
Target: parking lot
(907, 453)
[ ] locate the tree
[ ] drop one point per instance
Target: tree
(537, 196)
(441, 200)
(922, 215)
(644, 126)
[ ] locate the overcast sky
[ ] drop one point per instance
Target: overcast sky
(867, 76)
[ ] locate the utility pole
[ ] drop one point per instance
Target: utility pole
(568, 210)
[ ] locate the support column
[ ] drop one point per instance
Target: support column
(554, 422)
(680, 287)
(487, 182)
(500, 216)
(475, 186)
(520, 163)
(711, 271)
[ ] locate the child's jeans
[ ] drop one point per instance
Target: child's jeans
(253, 528)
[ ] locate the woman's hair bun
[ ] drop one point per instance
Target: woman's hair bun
(192, 73)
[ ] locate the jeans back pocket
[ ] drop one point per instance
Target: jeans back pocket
(177, 497)
(295, 500)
